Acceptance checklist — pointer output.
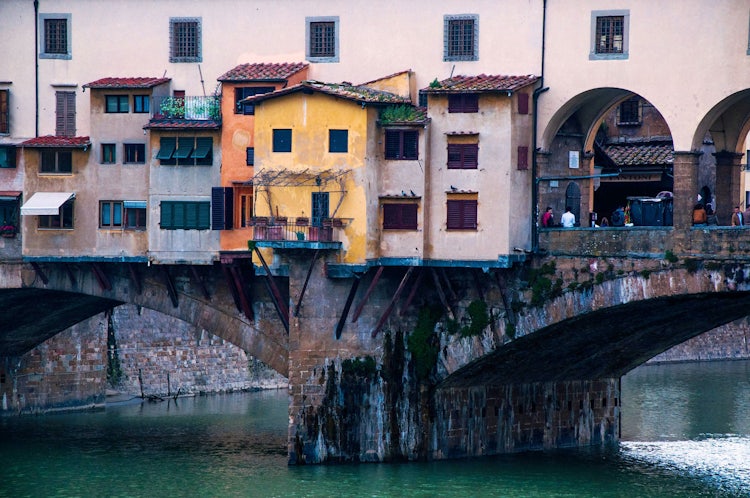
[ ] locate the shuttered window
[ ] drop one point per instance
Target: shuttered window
(222, 208)
(65, 114)
(463, 156)
(4, 112)
(523, 157)
(463, 102)
(187, 215)
(462, 214)
(523, 103)
(401, 144)
(401, 216)
(250, 156)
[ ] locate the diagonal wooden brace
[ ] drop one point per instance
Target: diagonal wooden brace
(388, 310)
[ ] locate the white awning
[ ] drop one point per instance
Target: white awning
(43, 203)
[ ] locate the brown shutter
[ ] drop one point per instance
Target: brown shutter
(471, 156)
(453, 220)
(4, 111)
(65, 114)
(523, 157)
(470, 214)
(523, 103)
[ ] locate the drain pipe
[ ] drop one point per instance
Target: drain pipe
(535, 99)
(36, 67)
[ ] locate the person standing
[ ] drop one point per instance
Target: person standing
(737, 220)
(568, 219)
(547, 220)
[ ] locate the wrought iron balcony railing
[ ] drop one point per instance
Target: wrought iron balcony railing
(299, 229)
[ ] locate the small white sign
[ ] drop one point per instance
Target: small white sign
(553, 184)
(573, 159)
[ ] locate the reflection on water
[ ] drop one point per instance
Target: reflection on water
(685, 433)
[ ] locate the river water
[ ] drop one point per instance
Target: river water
(685, 432)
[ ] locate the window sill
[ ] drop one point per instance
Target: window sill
(604, 57)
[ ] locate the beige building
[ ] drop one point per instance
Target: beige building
(588, 59)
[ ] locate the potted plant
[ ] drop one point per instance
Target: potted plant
(8, 231)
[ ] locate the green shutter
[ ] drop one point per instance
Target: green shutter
(167, 148)
(167, 216)
(204, 146)
(204, 216)
(184, 148)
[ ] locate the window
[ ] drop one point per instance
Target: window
(54, 34)
(463, 102)
(248, 91)
(65, 114)
(401, 144)
(185, 39)
(461, 38)
(177, 215)
(4, 112)
(463, 156)
(245, 201)
(338, 140)
(462, 214)
(56, 161)
(7, 157)
(629, 112)
(110, 214)
(523, 103)
(400, 216)
(609, 34)
(64, 219)
(250, 156)
(523, 157)
(134, 153)
(282, 140)
(141, 103)
(109, 154)
(116, 103)
(322, 39)
(222, 208)
(135, 215)
(186, 151)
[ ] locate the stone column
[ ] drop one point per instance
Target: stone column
(728, 171)
(685, 188)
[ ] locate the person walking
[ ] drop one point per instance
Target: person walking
(568, 219)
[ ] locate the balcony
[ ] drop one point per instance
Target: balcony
(296, 233)
(188, 108)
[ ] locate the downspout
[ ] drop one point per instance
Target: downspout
(36, 67)
(535, 99)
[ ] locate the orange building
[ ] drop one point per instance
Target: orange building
(238, 144)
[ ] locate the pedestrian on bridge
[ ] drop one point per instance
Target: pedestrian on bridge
(568, 219)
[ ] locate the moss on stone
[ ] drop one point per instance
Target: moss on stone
(423, 343)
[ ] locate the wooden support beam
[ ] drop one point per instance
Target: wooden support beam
(362, 303)
(239, 285)
(278, 301)
(40, 273)
(101, 277)
(276, 304)
(71, 277)
(226, 269)
(200, 281)
(441, 294)
(135, 278)
(448, 286)
(171, 289)
(307, 279)
(395, 297)
(347, 306)
(417, 282)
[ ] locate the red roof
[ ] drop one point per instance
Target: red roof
(357, 93)
(55, 141)
(182, 124)
(263, 71)
(127, 83)
(481, 83)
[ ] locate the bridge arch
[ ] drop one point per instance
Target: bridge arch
(80, 295)
(605, 331)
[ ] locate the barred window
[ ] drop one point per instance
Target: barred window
(322, 39)
(461, 38)
(185, 39)
(55, 36)
(609, 34)
(629, 112)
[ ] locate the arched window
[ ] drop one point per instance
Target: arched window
(573, 200)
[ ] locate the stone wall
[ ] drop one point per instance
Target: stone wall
(67, 371)
(728, 342)
(167, 355)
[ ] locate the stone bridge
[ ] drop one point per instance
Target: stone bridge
(425, 362)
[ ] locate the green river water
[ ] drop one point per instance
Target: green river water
(685, 432)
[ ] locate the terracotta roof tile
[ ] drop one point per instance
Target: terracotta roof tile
(640, 154)
(357, 93)
(183, 124)
(263, 71)
(126, 83)
(56, 141)
(481, 83)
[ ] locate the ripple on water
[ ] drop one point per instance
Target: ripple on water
(723, 460)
